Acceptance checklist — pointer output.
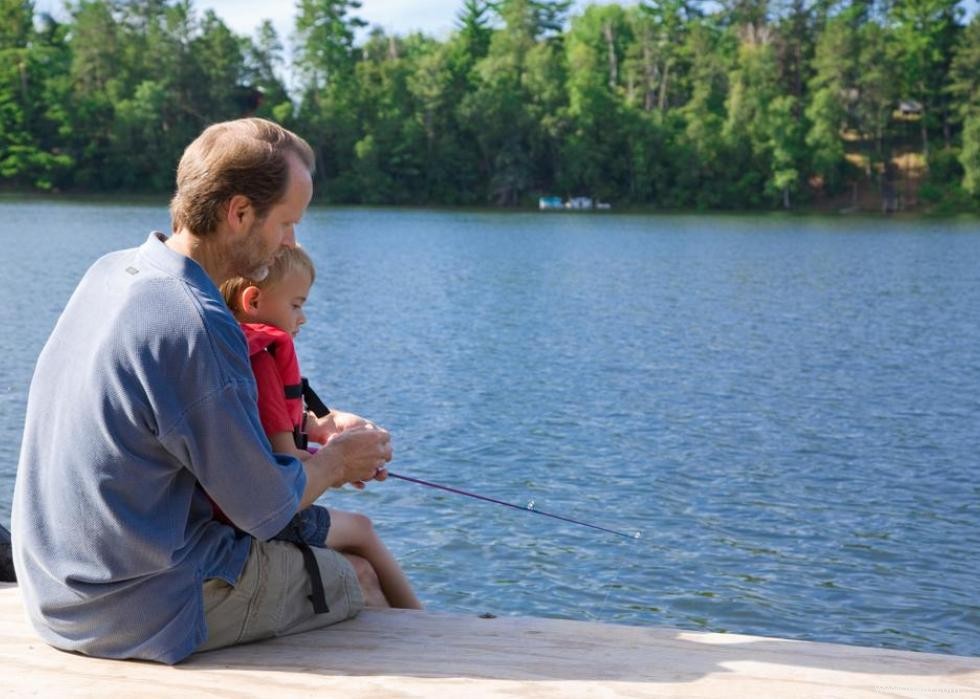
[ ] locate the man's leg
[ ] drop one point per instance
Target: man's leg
(272, 596)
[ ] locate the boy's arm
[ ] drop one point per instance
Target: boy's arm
(283, 443)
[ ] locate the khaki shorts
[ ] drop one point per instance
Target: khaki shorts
(272, 596)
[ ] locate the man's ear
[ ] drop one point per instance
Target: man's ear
(240, 212)
(250, 300)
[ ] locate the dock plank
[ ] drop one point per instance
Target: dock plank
(395, 653)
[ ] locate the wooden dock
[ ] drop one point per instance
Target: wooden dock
(383, 654)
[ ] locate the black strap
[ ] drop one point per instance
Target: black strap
(313, 401)
(303, 390)
(318, 598)
(300, 438)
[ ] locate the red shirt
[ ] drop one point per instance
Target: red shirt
(275, 366)
(273, 410)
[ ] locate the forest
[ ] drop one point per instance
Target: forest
(827, 105)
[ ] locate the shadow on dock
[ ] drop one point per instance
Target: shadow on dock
(429, 645)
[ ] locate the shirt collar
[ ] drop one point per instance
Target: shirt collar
(156, 252)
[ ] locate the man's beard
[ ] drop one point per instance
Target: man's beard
(258, 274)
(251, 259)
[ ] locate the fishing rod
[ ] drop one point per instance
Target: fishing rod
(528, 508)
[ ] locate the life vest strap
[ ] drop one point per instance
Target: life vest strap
(313, 401)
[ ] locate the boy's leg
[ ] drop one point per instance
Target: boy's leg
(354, 533)
(308, 526)
(271, 597)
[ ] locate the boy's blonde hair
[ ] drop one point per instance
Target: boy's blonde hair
(288, 261)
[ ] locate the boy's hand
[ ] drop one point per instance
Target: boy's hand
(323, 429)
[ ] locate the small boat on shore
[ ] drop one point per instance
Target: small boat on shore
(572, 204)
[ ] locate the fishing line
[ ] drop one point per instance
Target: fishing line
(598, 616)
(528, 508)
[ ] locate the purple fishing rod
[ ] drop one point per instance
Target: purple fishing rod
(528, 508)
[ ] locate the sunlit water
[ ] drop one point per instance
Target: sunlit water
(781, 415)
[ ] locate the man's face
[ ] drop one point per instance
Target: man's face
(267, 236)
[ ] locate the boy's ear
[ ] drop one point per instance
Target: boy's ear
(250, 300)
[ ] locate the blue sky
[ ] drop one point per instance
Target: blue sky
(434, 17)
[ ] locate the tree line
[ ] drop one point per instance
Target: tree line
(674, 104)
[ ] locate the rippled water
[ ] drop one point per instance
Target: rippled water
(786, 409)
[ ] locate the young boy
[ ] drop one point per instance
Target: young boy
(271, 313)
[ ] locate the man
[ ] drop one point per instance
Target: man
(143, 404)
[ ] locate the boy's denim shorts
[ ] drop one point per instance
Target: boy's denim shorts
(308, 526)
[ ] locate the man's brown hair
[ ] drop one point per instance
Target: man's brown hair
(245, 156)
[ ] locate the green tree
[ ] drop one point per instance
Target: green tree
(400, 95)
(670, 22)
(675, 103)
(529, 20)
(595, 158)
(785, 144)
(878, 90)
(219, 61)
(964, 89)
(473, 29)
(925, 32)
(832, 95)
(437, 85)
(758, 123)
(704, 150)
(326, 61)
(512, 91)
(264, 66)
(970, 156)
(27, 63)
(459, 175)
(17, 26)
(325, 32)
(496, 111)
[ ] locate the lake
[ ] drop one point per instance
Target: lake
(787, 410)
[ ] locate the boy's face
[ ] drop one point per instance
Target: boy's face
(281, 304)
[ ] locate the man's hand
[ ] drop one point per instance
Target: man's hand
(379, 475)
(355, 455)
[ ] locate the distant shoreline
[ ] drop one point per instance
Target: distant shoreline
(162, 200)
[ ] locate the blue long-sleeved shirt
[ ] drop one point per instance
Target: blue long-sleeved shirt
(142, 400)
